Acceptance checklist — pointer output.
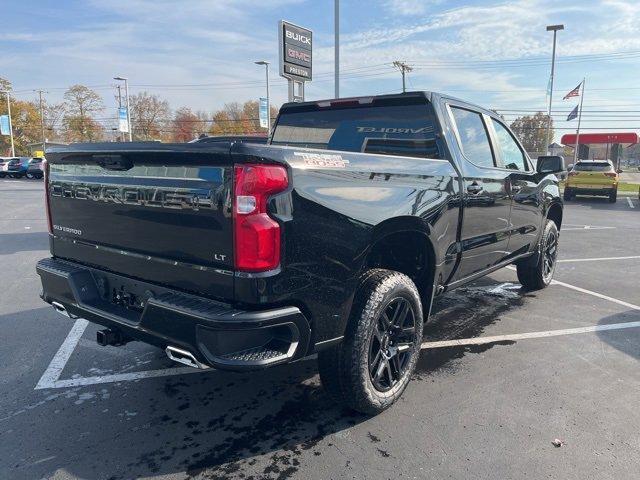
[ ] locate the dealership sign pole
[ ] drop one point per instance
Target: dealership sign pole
(295, 57)
(6, 123)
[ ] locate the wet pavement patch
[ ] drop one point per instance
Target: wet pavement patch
(266, 428)
(465, 313)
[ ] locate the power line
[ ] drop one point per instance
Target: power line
(384, 69)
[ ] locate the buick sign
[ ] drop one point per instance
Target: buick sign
(295, 51)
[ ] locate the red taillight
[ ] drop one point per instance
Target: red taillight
(257, 235)
(611, 174)
(45, 169)
(573, 173)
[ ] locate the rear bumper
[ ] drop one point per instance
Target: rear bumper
(215, 333)
(592, 189)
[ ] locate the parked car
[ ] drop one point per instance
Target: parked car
(332, 239)
(3, 160)
(34, 168)
(14, 168)
(592, 177)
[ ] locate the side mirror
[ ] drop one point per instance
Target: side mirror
(550, 164)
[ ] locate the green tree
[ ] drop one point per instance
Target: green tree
(532, 131)
(53, 117)
(185, 125)
(25, 124)
(237, 119)
(150, 115)
(81, 106)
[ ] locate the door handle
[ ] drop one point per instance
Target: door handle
(474, 188)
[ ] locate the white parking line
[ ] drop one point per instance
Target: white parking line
(60, 359)
(51, 377)
(602, 259)
(122, 377)
(630, 202)
(523, 336)
(587, 227)
(596, 294)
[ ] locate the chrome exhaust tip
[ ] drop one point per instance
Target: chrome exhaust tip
(61, 309)
(184, 357)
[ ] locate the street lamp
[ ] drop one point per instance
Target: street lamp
(266, 69)
(126, 94)
(554, 29)
(336, 47)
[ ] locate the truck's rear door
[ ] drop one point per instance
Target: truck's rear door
(157, 212)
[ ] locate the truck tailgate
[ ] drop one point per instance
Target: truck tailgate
(157, 212)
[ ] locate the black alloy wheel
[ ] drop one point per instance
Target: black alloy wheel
(550, 254)
(391, 344)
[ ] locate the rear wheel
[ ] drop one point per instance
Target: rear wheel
(371, 368)
(537, 273)
(568, 195)
(613, 196)
(29, 175)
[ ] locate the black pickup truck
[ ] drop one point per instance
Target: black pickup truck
(332, 239)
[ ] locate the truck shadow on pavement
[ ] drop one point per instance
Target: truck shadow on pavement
(625, 340)
(236, 425)
(23, 242)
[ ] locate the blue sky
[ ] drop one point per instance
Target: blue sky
(200, 53)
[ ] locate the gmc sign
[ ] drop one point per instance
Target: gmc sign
(295, 51)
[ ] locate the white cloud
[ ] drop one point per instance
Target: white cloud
(410, 7)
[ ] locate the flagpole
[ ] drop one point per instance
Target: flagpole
(575, 153)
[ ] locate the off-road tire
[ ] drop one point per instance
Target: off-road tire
(613, 196)
(567, 195)
(344, 368)
(532, 273)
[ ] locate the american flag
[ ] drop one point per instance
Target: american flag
(573, 93)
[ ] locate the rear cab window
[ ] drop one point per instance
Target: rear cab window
(395, 126)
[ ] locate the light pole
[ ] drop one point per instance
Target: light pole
(44, 139)
(13, 150)
(126, 94)
(554, 29)
(336, 46)
(266, 69)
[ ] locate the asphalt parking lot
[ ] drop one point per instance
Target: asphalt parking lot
(503, 373)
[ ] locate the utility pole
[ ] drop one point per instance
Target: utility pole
(404, 68)
(575, 152)
(554, 29)
(13, 150)
(336, 47)
(44, 140)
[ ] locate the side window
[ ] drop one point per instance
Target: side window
(473, 137)
(512, 156)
